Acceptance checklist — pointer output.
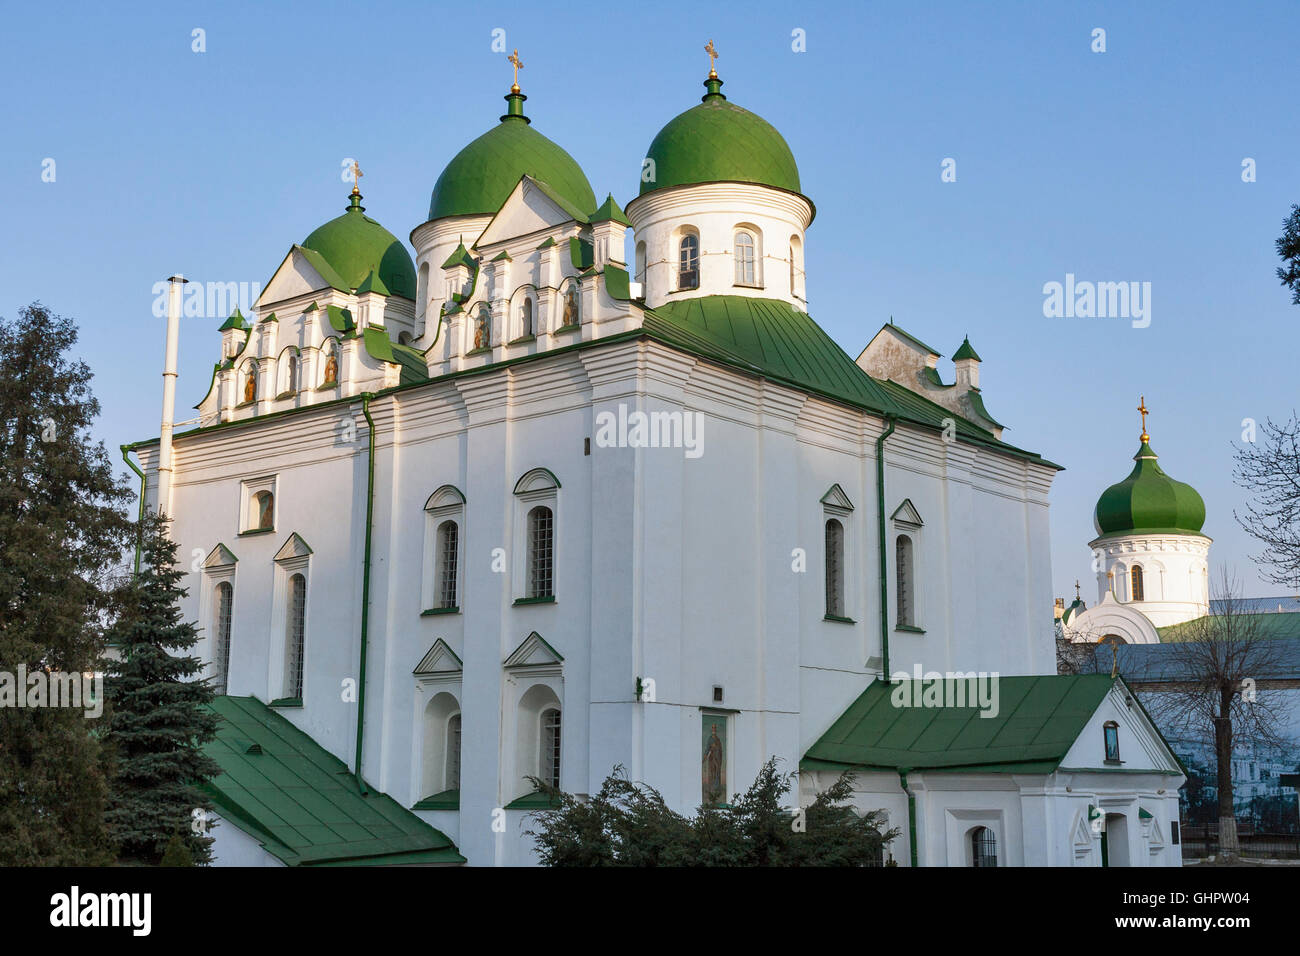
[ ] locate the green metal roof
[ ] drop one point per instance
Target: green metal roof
(1149, 501)
(773, 339)
(1038, 720)
(1269, 625)
(460, 257)
(301, 803)
(965, 351)
(236, 321)
(718, 141)
(355, 245)
(482, 175)
(610, 211)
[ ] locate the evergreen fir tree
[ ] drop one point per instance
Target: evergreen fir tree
(63, 529)
(159, 720)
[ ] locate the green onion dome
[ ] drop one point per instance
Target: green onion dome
(355, 245)
(1149, 501)
(481, 176)
(719, 141)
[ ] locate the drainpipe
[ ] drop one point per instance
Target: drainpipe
(126, 457)
(365, 585)
(890, 421)
(911, 814)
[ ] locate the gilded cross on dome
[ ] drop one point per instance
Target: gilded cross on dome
(356, 178)
(712, 51)
(518, 64)
(1142, 407)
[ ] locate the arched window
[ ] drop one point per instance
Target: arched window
(549, 753)
(745, 267)
(834, 568)
(541, 552)
(572, 315)
(263, 511)
(526, 317)
(796, 266)
(295, 636)
(906, 596)
(291, 373)
(448, 562)
(250, 382)
(1136, 591)
(688, 262)
(225, 596)
(984, 847)
(403, 338)
(639, 274)
(1110, 734)
(452, 778)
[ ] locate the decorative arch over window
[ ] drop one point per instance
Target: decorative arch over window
(748, 255)
(288, 371)
(796, 267)
(1110, 738)
(688, 260)
(537, 498)
(1136, 590)
(535, 668)
(290, 606)
(907, 525)
(444, 540)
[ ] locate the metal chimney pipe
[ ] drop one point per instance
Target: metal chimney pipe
(169, 394)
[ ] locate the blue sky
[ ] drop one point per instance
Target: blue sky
(1117, 166)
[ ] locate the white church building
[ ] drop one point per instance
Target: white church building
(514, 508)
(1150, 558)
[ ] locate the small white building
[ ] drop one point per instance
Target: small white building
(513, 510)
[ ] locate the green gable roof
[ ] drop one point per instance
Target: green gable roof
(301, 803)
(482, 175)
(461, 257)
(718, 141)
(355, 245)
(236, 321)
(1038, 720)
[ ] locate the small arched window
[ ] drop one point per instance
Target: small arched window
(1110, 734)
(984, 847)
(745, 259)
(448, 563)
(834, 568)
(295, 636)
(688, 262)
(541, 552)
(796, 267)
(264, 511)
(291, 373)
(640, 262)
(452, 778)
(906, 591)
(1136, 589)
(526, 318)
(549, 753)
(225, 597)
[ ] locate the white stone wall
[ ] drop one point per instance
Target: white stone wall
(1175, 574)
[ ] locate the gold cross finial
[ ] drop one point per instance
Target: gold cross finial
(356, 178)
(519, 64)
(712, 51)
(1076, 589)
(1142, 407)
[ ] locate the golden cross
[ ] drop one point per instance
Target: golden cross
(1076, 589)
(356, 178)
(514, 58)
(713, 55)
(1142, 407)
